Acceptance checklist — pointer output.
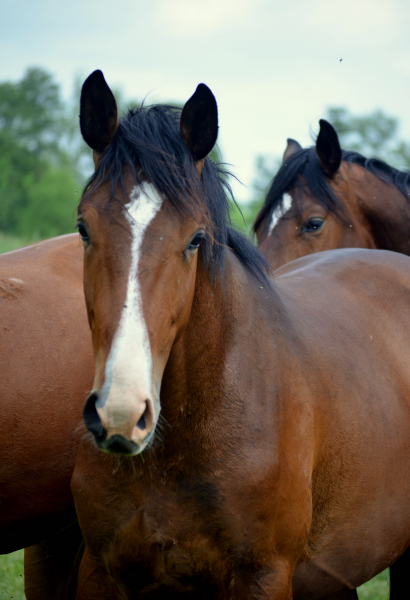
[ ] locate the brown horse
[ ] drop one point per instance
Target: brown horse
(46, 371)
(270, 418)
(324, 198)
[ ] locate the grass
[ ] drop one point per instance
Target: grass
(12, 581)
(375, 589)
(12, 576)
(11, 565)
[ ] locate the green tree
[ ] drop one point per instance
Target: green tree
(374, 135)
(35, 157)
(32, 112)
(266, 166)
(51, 204)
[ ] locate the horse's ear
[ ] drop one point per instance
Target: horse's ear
(199, 124)
(328, 148)
(292, 147)
(98, 113)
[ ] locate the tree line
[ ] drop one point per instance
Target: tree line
(44, 161)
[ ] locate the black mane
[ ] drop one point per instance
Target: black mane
(149, 143)
(305, 163)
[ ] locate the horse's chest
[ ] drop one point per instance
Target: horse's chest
(174, 544)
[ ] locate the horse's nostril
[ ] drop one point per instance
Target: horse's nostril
(141, 423)
(146, 420)
(92, 419)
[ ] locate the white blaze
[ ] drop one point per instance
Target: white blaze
(128, 369)
(280, 210)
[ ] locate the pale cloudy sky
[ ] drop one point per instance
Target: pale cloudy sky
(274, 66)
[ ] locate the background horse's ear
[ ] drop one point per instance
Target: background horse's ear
(328, 148)
(199, 124)
(292, 147)
(98, 112)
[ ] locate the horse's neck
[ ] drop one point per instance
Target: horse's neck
(387, 212)
(202, 379)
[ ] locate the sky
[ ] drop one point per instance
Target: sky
(273, 66)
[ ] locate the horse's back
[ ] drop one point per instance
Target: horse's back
(46, 368)
(356, 357)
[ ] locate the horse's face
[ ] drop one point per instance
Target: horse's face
(302, 225)
(305, 226)
(139, 274)
(139, 280)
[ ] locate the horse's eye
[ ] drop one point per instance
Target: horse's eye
(313, 225)
(83, 233)
(196, 240)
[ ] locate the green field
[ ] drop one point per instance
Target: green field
(12, 585)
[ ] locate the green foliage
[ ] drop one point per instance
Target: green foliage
(38, 175)
(10, 242)
(373, 135)
(51, 204)
(243, 215)
(32, 112)
(266, 167)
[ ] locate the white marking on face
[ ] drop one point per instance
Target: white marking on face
(280, 210)
(16, 280)
(128, 369)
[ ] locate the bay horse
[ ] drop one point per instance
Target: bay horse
(46, 370)
(324, 198)
(247, 438)
(46, 362)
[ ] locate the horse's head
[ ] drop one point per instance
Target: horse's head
(313, 204)
(142, 219)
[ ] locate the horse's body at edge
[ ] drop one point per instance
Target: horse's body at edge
(46, 362)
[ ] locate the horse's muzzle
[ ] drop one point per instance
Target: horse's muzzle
(116, 443)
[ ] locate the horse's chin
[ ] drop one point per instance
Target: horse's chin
(118, 444)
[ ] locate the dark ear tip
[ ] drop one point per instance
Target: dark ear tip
(204, 92)
(326, 126)
(96, 76)
(202, 87)
(97, 73)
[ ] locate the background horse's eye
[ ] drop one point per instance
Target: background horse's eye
(196, 240)
(83, 232)
(313, 225)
